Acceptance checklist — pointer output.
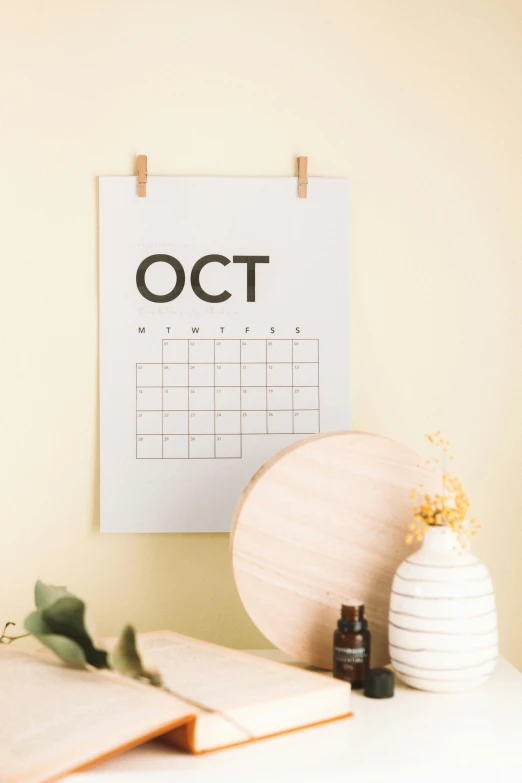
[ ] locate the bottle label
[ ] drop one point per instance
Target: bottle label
(350, 655)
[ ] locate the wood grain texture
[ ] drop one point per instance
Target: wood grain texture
(142, 175)
(322, 521)
(302, 176)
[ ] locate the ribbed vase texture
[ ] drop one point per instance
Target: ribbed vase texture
(443, 621)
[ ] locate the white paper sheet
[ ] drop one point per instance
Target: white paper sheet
(245, 353)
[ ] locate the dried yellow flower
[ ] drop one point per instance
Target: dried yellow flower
(449, 509)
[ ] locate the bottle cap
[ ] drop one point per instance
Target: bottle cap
(379, 683)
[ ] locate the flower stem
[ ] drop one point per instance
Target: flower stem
(5, 639)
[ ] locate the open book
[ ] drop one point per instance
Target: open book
(55, 720)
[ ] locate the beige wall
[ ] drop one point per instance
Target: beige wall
(418, 102)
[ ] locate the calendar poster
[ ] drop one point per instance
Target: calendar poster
(223, 339)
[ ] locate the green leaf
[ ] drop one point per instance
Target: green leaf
(67, 650)
(46, 595)
(125, 658)
(66, 617)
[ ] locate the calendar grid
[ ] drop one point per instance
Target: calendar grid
(214, 397)
(318, 395)
(188, 403)
(293, 389)
(207, 395)
(266, 399)
(162, 404)
(240, 404)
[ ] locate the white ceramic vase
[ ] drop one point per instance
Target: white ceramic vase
(443, 621)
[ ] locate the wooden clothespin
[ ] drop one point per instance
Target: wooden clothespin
(142, 175)
(302, 176)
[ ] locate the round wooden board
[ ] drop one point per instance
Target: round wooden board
(322, 521)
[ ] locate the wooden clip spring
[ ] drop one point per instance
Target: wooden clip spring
(142, 175)
(302, 176)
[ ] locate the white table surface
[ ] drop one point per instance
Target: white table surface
(415, 736)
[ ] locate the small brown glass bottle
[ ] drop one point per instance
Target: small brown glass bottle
(351, 645)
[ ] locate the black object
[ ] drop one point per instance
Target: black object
(379, 683)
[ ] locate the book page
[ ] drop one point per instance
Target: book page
(253, 696)
(55, 719)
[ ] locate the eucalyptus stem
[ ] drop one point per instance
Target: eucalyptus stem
(5, 639)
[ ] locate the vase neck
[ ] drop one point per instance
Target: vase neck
(442, 543)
